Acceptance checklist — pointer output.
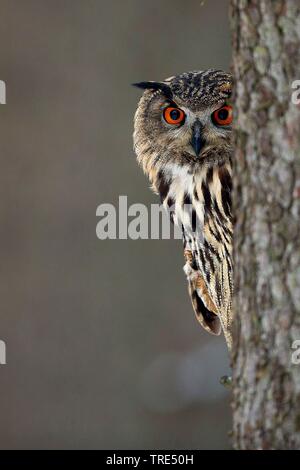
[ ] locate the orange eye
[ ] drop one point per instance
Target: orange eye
(174, 115)
(222, 116)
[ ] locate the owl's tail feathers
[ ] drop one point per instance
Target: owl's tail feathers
(204, 309)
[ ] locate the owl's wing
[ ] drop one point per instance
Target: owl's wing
(204, 307)
(208, 270)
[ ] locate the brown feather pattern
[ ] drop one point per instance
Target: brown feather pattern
(199, 187)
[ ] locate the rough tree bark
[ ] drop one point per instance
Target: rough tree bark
(266, 384)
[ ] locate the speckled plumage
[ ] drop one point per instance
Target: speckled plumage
(200, 181)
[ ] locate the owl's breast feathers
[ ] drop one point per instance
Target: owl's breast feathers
(201, 204)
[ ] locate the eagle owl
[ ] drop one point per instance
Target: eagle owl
(183, 141)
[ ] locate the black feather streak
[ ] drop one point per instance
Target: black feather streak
(207, 197)
(208, 316)
(163, 186)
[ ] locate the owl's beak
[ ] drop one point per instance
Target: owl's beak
(197, 142)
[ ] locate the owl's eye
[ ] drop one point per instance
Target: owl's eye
(222, 116)
(174, 115)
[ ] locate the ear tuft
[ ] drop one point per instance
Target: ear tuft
(145, 85)
(166, 90)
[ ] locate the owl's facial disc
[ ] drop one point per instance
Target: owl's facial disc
(193, 131)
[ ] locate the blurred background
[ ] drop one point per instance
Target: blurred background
(103, 349)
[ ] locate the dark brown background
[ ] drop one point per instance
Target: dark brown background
(103, 350)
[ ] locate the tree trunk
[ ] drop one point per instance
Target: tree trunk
(266, 383)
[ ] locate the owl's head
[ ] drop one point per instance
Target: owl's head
(184, 119)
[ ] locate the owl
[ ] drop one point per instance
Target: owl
(183, 141)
